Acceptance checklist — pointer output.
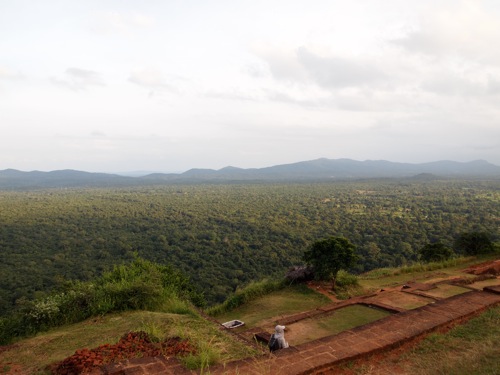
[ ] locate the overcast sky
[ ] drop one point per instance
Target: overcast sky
(164, 85)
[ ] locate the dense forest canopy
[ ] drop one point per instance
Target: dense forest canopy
(225, 235)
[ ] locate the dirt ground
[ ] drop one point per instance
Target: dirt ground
(323, 288)
(399, 299)
(131, 345)
(492, 268)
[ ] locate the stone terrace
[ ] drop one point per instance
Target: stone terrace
(319, 356)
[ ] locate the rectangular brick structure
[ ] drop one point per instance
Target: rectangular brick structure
(381, 335)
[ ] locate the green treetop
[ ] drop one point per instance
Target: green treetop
(328, 256)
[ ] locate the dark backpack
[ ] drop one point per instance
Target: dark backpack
(273, 343)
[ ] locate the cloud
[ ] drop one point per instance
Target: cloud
(256, 70)
(77, 79)
(97, 134)
(493, 86)
(304, 66)
(234, 94)
(114, 22)
(152, 79)
(467, 30)
(313, 101)
(8, 74)
(448, 84)
(283, 63)
(337, 72)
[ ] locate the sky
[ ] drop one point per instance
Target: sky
(165, 86)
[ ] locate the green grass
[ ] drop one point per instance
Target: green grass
(404, 300)
(140, 285)
(36, 353)
(264, 310)
(387, 277)
(244, 295)
(341, 320)
(473, 348)
(446, 291)
(469, 349)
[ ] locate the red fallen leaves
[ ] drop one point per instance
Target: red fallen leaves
(131, 345)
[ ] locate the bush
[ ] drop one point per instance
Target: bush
(138, 285)
(345, 279)
(474, 243)
(435, 252)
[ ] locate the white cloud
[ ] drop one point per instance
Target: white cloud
(77, 79)
(121, 23)
(152, 79)
(449, 84)
(468, 29)
(334, 72)
(493, 85)
(9, 74)
(233, 94)
(265, 82)
(147, 77)
(283, 63)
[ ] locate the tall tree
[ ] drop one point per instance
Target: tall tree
(328, 256)
(435, 252)
(474, 243)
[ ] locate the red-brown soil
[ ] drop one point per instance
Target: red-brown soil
(131, 345)
(491, 268)
(323, 288)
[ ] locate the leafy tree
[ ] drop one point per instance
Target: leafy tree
(435, 252)
(224, 236)
(328, 256)
(474, 243)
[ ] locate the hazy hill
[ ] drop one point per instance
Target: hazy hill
(320, 169)
(14, 179)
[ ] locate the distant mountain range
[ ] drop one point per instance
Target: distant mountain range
(320, 169)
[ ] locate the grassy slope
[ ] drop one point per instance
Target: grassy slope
(37, 352)
(474, 347)
(264, 310)
(389, 277)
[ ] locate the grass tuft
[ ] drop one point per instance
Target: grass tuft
(416, 267)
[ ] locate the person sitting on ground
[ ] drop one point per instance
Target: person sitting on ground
(279, 335)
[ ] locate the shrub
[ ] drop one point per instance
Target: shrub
(345, 279)
(474, 243)
(138, 285)
(435, 252)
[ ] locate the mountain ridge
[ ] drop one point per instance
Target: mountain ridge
(317, 169)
